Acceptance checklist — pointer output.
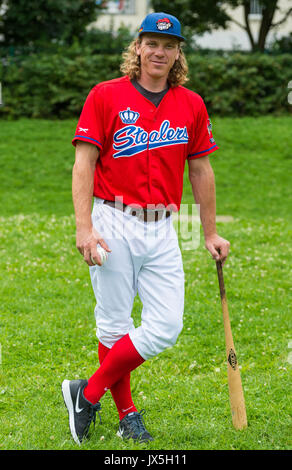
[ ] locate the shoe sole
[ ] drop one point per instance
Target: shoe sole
(70, 407)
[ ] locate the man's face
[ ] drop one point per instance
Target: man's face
(157, 54)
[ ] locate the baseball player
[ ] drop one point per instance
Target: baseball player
(133, 139)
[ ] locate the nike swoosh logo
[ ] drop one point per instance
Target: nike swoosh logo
(127, 409)
(77, 409)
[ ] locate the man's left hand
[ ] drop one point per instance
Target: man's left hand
(218, 247)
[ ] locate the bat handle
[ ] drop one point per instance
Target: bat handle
(220, 278)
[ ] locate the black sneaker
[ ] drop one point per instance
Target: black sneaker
(132, 426)
(81, 411)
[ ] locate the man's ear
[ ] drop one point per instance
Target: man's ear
(138, 47)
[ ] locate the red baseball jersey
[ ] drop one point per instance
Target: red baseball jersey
(143, 149)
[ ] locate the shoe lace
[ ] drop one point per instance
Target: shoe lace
(137, 423)
(92, 415)
(93, 410)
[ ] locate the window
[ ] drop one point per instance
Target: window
(117, 7)
(255, 8)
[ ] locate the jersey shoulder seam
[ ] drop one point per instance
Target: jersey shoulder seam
(109, 83)
(190, 93)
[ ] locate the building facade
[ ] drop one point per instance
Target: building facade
(116, 13)
(130, 13)
(234, 37)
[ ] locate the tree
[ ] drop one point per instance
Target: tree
(205, 15)
(268, 11)
(28, 22)
(198, 15)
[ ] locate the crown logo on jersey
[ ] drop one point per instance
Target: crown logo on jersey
(128, 116)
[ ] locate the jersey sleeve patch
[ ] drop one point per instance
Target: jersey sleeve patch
(202, 142)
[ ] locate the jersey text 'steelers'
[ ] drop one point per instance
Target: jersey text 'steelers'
(143, 149)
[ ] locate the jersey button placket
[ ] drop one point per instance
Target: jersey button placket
(150, 128)
(151, 156)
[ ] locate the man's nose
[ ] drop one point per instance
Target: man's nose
(159, 51)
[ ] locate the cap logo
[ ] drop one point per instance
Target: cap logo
(163, 24)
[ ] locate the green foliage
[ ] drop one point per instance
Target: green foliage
(106, 42)
(199, 16)
(39, 21)
(283, 44)
(96, 40)
(55, 85)
(240, 84)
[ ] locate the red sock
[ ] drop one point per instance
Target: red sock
(121, 390)
(120, 360)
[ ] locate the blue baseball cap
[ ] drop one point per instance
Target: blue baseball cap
(161, 23)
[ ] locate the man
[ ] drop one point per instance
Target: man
(133, 139)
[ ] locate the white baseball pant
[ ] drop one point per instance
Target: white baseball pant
(145, 258)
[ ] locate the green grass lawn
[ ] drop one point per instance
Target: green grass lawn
(47, 324)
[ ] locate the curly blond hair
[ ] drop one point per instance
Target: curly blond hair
(131, 65)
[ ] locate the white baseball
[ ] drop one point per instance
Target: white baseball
(102, 253)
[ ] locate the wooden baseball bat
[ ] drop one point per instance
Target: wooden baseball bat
(236, 396)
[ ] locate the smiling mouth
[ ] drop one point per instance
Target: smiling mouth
(159, 63)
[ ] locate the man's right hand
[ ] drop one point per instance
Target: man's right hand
(86, 243)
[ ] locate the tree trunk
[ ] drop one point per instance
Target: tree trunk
(246, 6)
(266, 23)
(268, 12)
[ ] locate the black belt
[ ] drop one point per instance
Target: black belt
(146, 215)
